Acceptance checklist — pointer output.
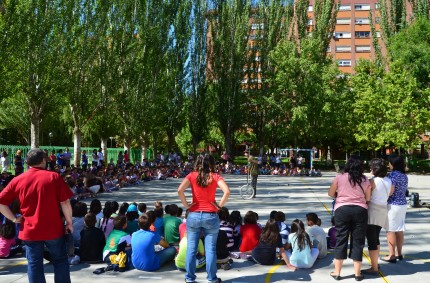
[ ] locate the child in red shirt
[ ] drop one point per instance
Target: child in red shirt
(250, 232)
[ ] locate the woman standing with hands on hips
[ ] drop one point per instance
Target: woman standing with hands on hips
(203, 215)
(352, 191)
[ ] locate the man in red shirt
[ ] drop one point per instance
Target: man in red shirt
(41, 193)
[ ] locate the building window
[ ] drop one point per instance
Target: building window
(343, 49)
(344, 63)
(310, 22)
(343, 21)
(257, 26)
(377, 6)
(362, 7)
(362, 34)
(344, 8)
(378, 34)
(377, 20)
(310, 8)
(362, 21)
(342, 35)
(329, 49)
(362, 48)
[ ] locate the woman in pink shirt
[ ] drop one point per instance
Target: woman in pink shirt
(202, 216)
(352, 192)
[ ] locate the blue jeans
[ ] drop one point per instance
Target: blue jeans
(166, 255)
(34, 254)
(208, 223)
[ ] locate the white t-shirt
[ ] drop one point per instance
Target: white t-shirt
(4, 163)
(382, 190)
(318, 239)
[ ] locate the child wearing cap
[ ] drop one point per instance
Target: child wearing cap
(132, 215)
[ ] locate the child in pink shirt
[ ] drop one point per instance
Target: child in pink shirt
(7, 239)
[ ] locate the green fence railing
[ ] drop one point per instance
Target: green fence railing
(112, 153)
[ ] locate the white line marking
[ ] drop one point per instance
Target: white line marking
(149, 277)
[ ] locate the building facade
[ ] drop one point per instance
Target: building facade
(352, 38)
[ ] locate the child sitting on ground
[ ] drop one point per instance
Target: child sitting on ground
(270, 241)
(92, 241)
(302, 255)
(118, 240)
(331, 239)
(144, 256)
(7, 240)
(250, 232)
(224, 217)
(236, 222)
(181, 257)
(317, 234)
(171, 225)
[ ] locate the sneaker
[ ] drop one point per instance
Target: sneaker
(235, 255)
(75, 260)
(226, 266)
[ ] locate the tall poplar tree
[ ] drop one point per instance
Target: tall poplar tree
(228, 32)
(29, 61)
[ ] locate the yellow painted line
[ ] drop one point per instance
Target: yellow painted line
(326, 208)
(13, 265)
(270, 273)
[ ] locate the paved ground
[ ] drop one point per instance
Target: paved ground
(295, 196)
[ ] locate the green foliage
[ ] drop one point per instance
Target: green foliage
(411, 49)
(310, 92)
(390, 106)
(184, 141)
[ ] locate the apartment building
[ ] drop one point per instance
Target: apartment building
(352, 38)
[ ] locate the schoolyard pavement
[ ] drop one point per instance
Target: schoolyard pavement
(295, 196)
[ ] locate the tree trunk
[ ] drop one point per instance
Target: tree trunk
(35, 131)
(170, 140)
(261, 146)
(143, 148)
(194, 147)
(103, 145)
(77, 140)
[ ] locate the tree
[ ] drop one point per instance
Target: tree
(227, 55)
(270, 19)
(390, 106)
(303, 71)
(28, 52)
(411, 48)
(197, 104)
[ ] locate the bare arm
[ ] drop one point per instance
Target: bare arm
(164, 244)
(226, 190)
(67, 212)
(392, 190)
(332, 190)
(285, 258)
(181, 193)
(5, 210)
(368, 193)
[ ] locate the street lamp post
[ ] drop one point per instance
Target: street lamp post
(50, 138)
